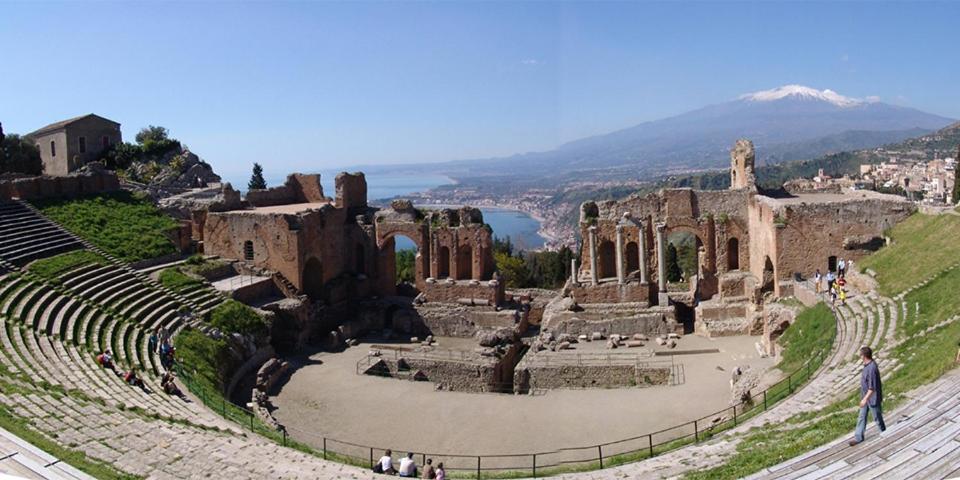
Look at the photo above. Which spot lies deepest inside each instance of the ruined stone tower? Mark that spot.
(741, 165)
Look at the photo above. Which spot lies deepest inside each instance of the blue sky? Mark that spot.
(311, 86)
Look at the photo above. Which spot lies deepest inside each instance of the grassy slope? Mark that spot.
(52, 268)
(123, 224)
(924, 359)
(813, 331)
(922, 246)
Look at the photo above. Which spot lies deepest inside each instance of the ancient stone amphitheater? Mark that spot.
(51, 333)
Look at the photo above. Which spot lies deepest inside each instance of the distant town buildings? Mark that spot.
(929, 181)
(68, 145)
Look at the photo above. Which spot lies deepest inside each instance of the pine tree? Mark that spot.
(256, 180)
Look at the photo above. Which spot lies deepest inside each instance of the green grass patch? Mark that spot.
(51, 269)
(126, 225)
(234, 317)
(923, 360)
(209, 360)
(922, 246)
(178, 281)
(810, 335)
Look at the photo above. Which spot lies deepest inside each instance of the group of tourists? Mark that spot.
(408, 467)
(836, 283)
(105, 360)
(159, 343)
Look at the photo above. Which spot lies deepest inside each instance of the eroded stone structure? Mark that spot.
(749, 243)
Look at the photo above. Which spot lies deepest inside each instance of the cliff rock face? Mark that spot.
(173, 170)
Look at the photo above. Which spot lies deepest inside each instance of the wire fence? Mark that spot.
(536, 464)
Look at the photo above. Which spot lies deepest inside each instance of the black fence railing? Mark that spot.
(536, 464)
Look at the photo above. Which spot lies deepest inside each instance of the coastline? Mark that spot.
(547, 236)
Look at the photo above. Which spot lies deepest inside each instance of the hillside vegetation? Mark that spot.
(125, 225)
(923, 357)
(922, 246)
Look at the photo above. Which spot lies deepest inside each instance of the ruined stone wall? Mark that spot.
(457, 371)
(298, 188)
(72, 185)
(652, 322)
(763, 238)
(455, 320)
(611, 292)
(351, 190)
(532, 374)
(850, 229)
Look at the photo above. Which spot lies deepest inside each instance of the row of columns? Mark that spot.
(621, 269)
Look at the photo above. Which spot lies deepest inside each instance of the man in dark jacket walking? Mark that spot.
(871, 395)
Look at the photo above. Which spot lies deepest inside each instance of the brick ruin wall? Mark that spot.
(461, 372)
(535, 373)
(651, 322)
(298, 188)
(851, 229)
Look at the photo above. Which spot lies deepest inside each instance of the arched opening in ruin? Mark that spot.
(606, 260)
(769, 278)
(360, 259)
(733, 254)
(401, 264)
(248, 250)
(832, 263)
(633, 257)
(443, 263)
(682, 257)
(465, 263)
(313, 278)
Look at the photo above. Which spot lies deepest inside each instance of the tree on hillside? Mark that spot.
(503, 245)
(152, 133)
(19, 155)
(256, 180)
(956, 191)
(673, 267)
(155, 140)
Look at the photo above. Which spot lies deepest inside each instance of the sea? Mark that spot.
(519, 226)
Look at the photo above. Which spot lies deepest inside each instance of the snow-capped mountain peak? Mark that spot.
(801, 92)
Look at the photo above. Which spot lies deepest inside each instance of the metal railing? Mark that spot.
(541, 463)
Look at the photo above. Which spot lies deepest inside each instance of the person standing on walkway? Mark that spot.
(871, 395)
(818, 281)
(841, 268)
(830, 279)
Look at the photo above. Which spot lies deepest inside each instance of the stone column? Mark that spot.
(661, 258)
(643, 254)
(574, 277)
(593, 255)
(620, 275)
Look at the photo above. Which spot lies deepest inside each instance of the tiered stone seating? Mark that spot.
(30, 311)
(25, 235)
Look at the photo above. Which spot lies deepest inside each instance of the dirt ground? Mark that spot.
(325, 397)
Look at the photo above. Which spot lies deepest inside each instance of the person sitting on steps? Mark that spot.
(105, 360)
(428, 471)
(169, 387)
(408, 468)
(385, 465)
(131, 378)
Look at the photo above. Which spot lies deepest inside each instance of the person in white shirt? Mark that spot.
(408, 468)
(386, 463)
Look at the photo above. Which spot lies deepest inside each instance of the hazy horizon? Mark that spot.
(325, 86)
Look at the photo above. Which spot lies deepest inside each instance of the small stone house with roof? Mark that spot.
(68, 145)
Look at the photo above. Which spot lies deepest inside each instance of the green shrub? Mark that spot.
(123, 224)
(176, 280)
(208, 360)
(232, 316)
(52, 268)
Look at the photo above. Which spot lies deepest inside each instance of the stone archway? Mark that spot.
(607, 259)
(313, 278)
(464, 262)
(443, 262)
(769, 276)
(733, 254)
(633, 257)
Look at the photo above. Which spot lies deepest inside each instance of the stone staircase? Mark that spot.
(25, 235)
